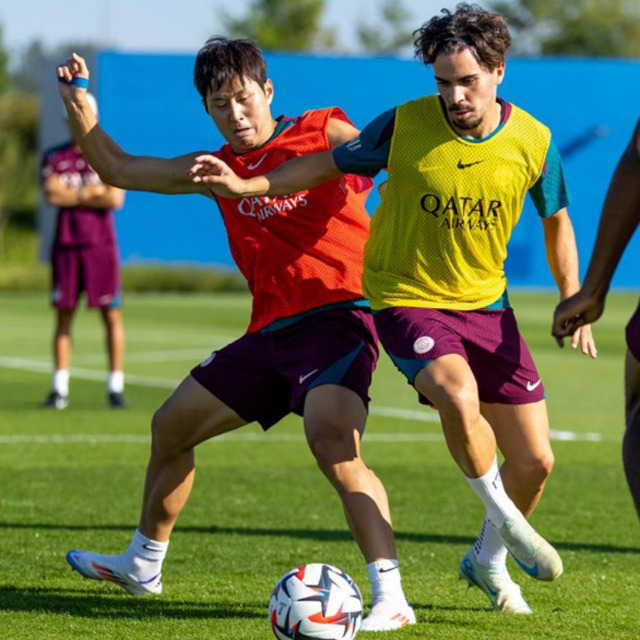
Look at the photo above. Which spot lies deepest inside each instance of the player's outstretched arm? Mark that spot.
(619, 219)
(113, 165)
(295, 175)
(562, 256)
(292, 176)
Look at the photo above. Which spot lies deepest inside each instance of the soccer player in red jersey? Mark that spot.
(311, 345)
(84, 256)
(619, 219)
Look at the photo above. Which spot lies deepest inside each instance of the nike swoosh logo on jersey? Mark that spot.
(461, 165)
(255, 165)
(533, 385)
(301, 379)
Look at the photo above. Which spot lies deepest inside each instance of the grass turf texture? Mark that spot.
(259, 505)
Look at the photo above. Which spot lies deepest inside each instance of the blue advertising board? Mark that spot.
(150, 106)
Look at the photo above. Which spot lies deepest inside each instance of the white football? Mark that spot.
(315, 601)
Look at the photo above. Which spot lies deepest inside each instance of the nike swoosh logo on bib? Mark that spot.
(255, 165)
(531, 386)
(461, 165)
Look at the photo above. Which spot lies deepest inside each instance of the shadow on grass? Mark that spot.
(321, 535)
(78, 603)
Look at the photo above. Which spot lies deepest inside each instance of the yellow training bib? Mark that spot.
(439, 236)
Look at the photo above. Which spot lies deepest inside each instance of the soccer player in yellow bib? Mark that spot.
(459, 164)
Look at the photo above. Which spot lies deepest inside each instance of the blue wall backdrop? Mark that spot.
(150, 106)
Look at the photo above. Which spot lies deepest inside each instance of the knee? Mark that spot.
(165, 438)
(63, 324)
(459, 402)
(336, 454)
(537, 468)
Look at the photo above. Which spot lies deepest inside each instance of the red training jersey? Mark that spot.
(303, 250)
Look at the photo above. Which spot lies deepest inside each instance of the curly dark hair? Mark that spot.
(484, 33)
(220, 60)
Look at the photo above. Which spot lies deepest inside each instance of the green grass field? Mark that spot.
(259, 507)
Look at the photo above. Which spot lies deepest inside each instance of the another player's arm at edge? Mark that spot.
(113, 165)
(619, 219)
(292, 176)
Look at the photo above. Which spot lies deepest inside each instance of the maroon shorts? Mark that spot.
(488, 340)
(633, 334)
(94, 270)
(266, 375)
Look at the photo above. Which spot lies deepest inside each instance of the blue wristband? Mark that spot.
(81, 83)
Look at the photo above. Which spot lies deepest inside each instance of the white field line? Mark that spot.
(194, 355)
(165, 383)
(148, 336)
(94, 440)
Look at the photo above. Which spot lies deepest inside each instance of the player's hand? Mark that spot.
(218, 176)
(73, 77)
(572, 314)
(583, 338)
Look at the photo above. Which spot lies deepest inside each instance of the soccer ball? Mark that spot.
(315, 601)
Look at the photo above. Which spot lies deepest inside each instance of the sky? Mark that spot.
(165, 25)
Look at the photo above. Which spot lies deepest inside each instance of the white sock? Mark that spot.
(385, 579)
(489, 548)
(490, 490)
(144, 556)
(115, 383)
(61, 381)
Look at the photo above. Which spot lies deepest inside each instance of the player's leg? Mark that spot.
(513, 403)
(522, 433)
(115, 342)
(631, 440)
(450, 385)
(191, 415)
(62, 339)
(102, 283)
(65, 289)
(430, 347)
(209, 402)
(334, 418)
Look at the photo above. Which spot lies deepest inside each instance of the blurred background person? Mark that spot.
(84, 257)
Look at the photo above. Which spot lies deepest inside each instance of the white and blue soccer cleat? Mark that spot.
(387, 615)
(496, 584)
(535, 556)
(99, 567)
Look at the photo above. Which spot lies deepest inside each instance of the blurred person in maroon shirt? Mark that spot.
(84, 257)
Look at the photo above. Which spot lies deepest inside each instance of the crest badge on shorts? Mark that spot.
(423, 344)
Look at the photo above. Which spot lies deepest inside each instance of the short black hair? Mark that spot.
(220, 60)
(484, 33)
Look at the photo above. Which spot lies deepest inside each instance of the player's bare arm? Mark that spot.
(562, 256)
(113, 165)
(620, 217)
(295, 175)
